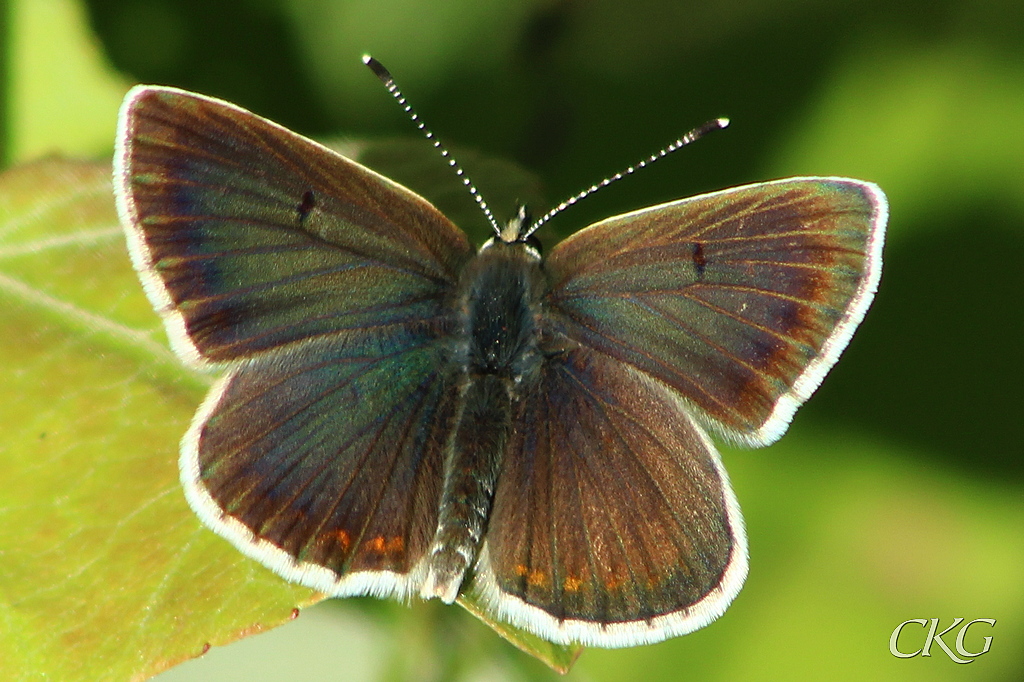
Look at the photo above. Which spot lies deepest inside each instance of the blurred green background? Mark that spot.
(898, 492)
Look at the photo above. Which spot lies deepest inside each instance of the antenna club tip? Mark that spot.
(378, 69)
(723, 122)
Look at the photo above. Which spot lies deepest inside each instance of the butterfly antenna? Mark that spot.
(692, 136)
(385, 77)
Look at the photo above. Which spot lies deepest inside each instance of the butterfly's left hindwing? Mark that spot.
(326, 463)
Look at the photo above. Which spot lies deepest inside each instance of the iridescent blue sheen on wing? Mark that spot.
(331, 454)
(261, 237)
(735, 299)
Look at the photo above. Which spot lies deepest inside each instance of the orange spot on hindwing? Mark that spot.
(572, 583)
(536, 578)
(382, 545)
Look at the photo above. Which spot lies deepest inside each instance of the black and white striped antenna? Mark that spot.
(385, 77)
(692, 136)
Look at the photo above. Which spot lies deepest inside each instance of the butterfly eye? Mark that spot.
(534, 243)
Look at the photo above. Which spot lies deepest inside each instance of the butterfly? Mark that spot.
(401, 414)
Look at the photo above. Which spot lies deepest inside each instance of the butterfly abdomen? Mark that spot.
(498, 301)
(471, 474)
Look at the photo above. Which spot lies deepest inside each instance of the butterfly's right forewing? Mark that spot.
(740, 300)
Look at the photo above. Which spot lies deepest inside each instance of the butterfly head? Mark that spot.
(518, 231)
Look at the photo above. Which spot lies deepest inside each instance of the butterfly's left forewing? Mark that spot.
(249, 237)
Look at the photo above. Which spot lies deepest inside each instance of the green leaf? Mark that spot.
(556, 656)
(63, 94)
(417, 165)
(104, 570)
